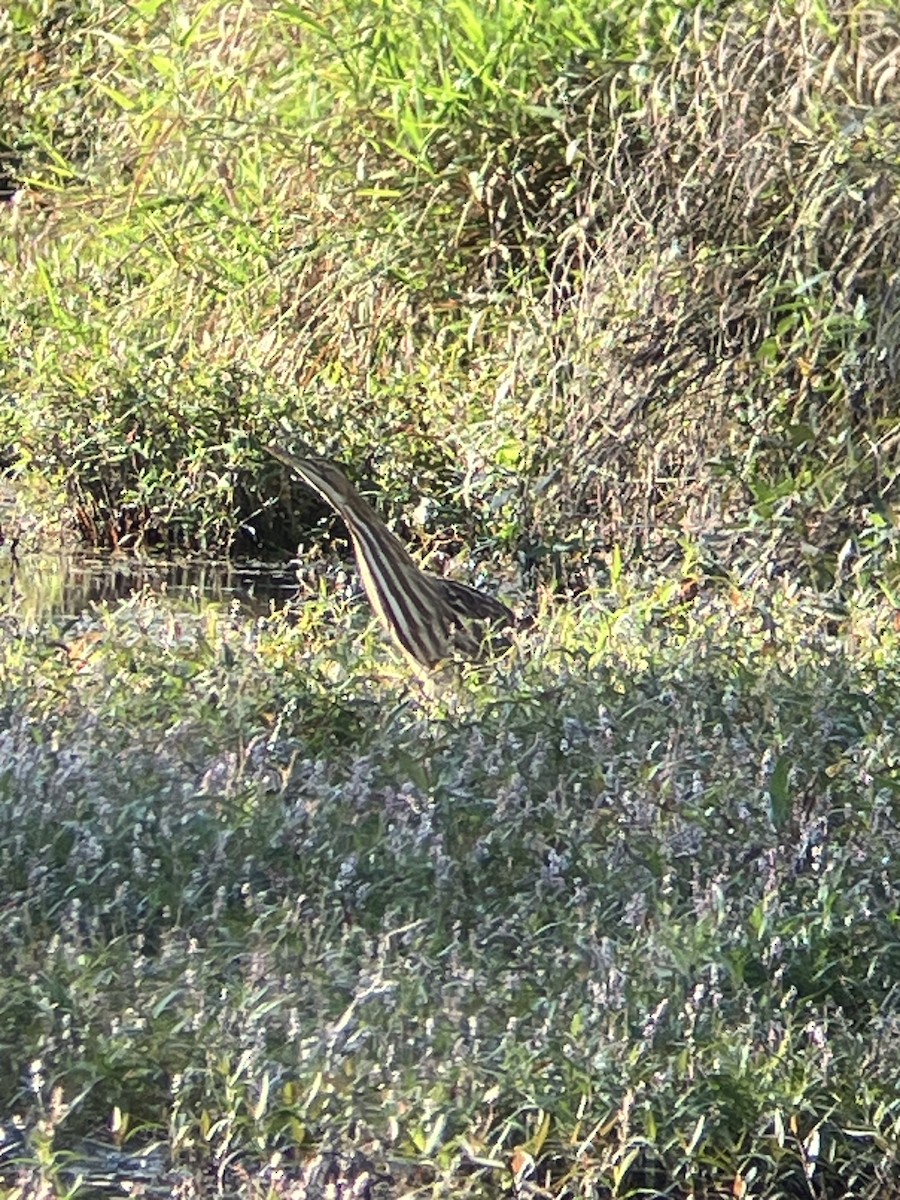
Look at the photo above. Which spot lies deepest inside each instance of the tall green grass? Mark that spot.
(584, 274)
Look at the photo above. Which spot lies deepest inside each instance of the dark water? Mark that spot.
(65, 584)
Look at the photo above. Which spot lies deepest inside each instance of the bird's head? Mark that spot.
(322, 475)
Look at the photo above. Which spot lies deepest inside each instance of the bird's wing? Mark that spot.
(468, 602)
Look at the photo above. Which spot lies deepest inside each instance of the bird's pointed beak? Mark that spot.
(285, 457)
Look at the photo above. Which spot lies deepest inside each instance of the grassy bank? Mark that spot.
(613, 916)
(587, 274)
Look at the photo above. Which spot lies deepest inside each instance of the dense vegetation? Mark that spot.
(614, 289)
(618, 269)
(616, 916)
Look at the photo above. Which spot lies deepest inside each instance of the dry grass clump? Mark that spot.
(718, 338)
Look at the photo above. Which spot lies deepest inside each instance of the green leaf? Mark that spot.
(779, 792)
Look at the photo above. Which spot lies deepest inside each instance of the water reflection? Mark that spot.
(36, 585)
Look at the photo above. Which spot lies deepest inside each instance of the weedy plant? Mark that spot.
(617, 915)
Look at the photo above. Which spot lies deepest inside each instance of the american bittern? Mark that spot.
(427, 616)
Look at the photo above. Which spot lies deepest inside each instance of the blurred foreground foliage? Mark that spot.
(613, 916)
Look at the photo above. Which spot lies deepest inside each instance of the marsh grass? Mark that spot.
(613, 916)
(601, 303)
(580, 276)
